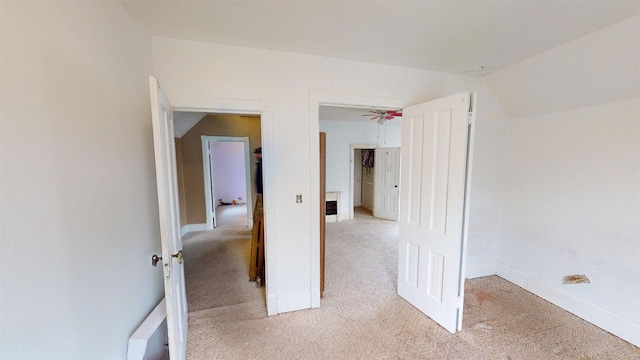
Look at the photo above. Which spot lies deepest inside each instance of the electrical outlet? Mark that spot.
(298, 198)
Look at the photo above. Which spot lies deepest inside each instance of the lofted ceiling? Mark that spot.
(184, 121)
(470, 37)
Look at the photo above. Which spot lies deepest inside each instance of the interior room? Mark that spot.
(549, 187)
(216, 171)
(353, 130)
(363, 180)
(230, 141)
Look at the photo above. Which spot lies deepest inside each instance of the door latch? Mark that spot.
(178, 256)
(155, 259)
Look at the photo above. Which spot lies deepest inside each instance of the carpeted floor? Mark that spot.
(361, 317)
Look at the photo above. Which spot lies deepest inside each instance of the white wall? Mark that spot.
(229, 173)
(285, 80)
(79, 213)
(340, 135)
(571, 200)
(599, 68)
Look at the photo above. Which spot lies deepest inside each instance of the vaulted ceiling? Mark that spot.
(472, 37)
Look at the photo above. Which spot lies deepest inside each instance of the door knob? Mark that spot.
(155, 259)
(178, 256)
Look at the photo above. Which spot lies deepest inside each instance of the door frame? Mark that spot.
(352, 174)
(315, 100)
(267, 130)
(208, 181)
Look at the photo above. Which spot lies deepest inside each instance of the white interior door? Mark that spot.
(386, 184)
(435, 138)
(173, 269)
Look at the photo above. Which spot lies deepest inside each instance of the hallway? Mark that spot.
(217, 263)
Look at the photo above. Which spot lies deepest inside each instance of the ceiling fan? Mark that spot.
(383, 115)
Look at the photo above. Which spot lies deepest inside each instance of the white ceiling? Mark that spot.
(473, 37)
(184, 121)
(338, 113)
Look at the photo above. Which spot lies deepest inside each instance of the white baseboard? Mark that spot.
(602, 318)
(294, 301)
(138, 341)
(331, 218)
(192, 227)
(480, 270)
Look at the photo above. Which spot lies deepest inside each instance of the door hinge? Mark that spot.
(460, 302)
(471, 109)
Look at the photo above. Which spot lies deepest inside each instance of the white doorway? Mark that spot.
(361, 189)
(227, 175)
(349, 130)
(451, 276)
(375, 188)
(250, 108)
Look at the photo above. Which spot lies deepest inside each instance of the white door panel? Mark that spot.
(435, 137)
(387, 180)
(173, 269)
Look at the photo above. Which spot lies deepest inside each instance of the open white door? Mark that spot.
(435, 167)
(173, 269)
(386, 184)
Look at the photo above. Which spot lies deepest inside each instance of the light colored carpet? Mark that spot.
(217, 263)
(361, 317)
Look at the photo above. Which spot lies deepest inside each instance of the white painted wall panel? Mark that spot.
(572, 203)
(286, 80)
(79, 220)
(572, 184)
